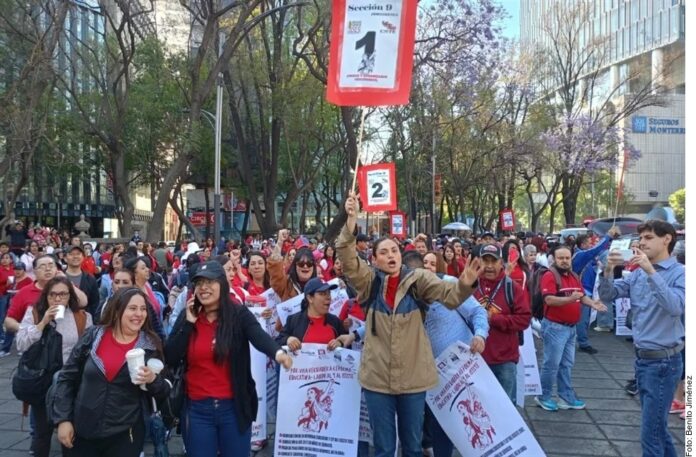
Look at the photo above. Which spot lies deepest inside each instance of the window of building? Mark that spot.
(622, 14)
(643, 8)
(675, 23)
(656, 29)
(614, 25)
(640, 42)
(635, 10)
(657, 6)
(665, 24)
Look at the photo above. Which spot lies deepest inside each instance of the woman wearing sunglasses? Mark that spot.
(302, 269)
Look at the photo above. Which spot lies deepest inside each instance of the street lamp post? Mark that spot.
(218, 141)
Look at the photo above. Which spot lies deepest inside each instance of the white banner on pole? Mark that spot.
(470, 397)
(258, 373)
(318, 400)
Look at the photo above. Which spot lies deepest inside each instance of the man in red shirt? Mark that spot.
(45, 269)
(563, 298)
(508, 314)
(22, 279)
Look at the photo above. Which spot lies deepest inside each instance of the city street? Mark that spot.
(610, 426)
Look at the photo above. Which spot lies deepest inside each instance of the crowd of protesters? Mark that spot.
(186, 306)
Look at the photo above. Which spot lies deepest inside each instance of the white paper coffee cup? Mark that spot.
(136, 360)
(156, 365)
(61, 312)
(11, 279)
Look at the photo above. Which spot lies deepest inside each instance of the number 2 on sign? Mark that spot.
(367, 63)
(378, 190)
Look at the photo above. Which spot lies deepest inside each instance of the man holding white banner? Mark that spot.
(397, 365)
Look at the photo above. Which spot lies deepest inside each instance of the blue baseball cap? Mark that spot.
(315, 285)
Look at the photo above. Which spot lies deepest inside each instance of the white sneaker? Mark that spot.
(4, 354)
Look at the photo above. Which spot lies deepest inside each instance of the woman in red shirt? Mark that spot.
(6, 282)
(259, 280)
(515, 265)
(327, 263)
(313, 324)
(98, 405)
(453, 266)
(212, 340)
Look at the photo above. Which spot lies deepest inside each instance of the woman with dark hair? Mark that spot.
(116, 263)
(302, 269)
(450, 257)
(122, 279)
(140, 266)
(98, 406)
(212, 340)
(515, 263)
(259, 279)
(433, 261)
(395, 377)
(58, 296)
(313, 324)
(327, 263)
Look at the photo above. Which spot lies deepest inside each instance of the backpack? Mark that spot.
(537, 298)
(510, 300)
(37, 366)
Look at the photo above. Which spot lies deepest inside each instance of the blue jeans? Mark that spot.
(409, 408)
(583, 326)
(442, 445)
(506, 374)
(210, 429)
(559, 358)
(657, 380)
(363, 449)
(4, 301)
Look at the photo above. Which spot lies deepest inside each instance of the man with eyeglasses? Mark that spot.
(44, 269)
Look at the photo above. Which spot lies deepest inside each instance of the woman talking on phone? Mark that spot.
(211, 339)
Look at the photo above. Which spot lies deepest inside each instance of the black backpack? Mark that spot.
(535, 289)
(37, 366)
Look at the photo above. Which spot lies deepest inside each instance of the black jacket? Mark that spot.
(298, 323)
(89, 286)
(96, 407)
(245, 397)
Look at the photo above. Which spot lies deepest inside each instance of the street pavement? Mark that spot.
(610, 426)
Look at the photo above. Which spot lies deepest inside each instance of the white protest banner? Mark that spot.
(622, 305)
(371, 54)
(318, 400)
(272, 301)
(365, 433)
(258, 373)
(289, 307)
(293, 305)
(470, 397)
(532, 380)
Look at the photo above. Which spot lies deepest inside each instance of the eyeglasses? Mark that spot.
(305, 264)
(45, 267)
(58, 294)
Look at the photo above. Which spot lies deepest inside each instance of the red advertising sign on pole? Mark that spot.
(507, 219)
(397, 224)
(371, 55)
(378, 187)
(198, 218)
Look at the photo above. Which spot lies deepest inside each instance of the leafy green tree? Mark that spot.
(678, 202)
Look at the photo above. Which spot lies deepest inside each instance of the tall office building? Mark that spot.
(641, 38)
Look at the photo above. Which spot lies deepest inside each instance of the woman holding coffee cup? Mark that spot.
(98, 402)
(212, 340)
(58, 304)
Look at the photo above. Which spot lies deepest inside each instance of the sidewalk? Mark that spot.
(610, 426)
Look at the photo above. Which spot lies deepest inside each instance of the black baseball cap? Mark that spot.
(209, 270)
(492, 250)
(363, 237)
(317, 285)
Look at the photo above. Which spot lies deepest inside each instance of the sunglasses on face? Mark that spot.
(305, 264)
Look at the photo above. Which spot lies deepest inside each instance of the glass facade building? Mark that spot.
(629, 43)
